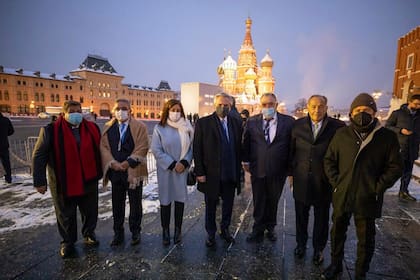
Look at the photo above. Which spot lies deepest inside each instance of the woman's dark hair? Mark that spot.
(165, 111)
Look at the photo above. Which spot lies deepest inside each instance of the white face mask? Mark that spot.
(174, 116)
(121, 115)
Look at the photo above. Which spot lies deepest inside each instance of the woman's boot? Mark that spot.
(165, 217)
(179, 213)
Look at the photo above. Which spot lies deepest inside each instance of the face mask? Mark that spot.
(174, 116)
(268, 113)
(121, 115)
(362, 119)
(74, 118)
(222, 111)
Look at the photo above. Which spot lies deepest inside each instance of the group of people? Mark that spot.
(325, 160)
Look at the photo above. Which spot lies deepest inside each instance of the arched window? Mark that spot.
(57, 98)
(19, 96)
(67, 97)
(71, 97)
(81, 99)
(6, 95)
(52, 97)
(36, 96)
(42, 97)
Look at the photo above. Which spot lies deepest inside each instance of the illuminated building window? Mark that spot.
(410, 61)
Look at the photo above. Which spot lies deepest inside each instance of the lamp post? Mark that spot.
(32, 107)
(376, 95)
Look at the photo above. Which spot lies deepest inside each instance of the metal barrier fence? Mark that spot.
(21, 156)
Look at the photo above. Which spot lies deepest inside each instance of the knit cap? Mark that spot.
(363, 99)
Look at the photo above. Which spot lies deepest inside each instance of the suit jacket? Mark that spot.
(207, 147)
(267, 159)
(310, 184)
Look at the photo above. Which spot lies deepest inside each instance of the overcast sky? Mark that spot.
(337, 48)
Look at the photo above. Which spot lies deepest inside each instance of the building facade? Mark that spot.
(198, 98)
(245, 79)
(95, 84)
(407, 68)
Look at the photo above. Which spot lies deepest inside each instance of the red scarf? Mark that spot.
(75, 165)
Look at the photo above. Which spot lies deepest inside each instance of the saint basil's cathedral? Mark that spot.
(245, 79)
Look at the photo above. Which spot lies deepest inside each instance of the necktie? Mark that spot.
(122, 132)
(316, 129)
(267, 131)
(225, 129)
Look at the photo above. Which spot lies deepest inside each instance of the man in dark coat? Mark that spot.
(266, 143)
(405, 122)
(6, 129)
(311, 136)
(361, 163)
(69, 149)
(216, 149)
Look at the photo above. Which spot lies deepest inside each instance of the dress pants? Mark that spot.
(227, 193)
(119, 194)
(266, 193)
(320, 229)
(5, 161)
(365, 230)
(406, 176)
(66, 213)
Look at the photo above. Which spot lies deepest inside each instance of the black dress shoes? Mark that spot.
(90, 240)
(271, 235)
(67, 250)
(332, 271)
(255, 237)
(300, 251)
(318, 258)
(225, 234)
(210, 241)
(406, 196)
(135, 238)
(118, 240)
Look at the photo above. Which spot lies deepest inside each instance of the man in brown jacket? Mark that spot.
(124, 147)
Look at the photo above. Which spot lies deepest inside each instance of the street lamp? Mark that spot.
(376, 95)
(32, 107)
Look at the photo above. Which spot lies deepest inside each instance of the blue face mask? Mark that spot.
(75, 118)
(268, 113)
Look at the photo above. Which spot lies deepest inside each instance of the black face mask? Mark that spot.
(222, 111)
(362, 119)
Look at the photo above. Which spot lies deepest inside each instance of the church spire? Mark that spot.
(248, 38)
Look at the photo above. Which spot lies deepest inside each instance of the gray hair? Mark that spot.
(269, 94)
(224, 95)
(324, 98)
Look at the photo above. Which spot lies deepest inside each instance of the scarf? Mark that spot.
(76, 164)
(185, 131)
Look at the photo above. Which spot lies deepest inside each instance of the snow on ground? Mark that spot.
(21, 206)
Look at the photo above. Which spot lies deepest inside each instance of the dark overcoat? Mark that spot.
(360, 172)
(267, 159)
(207, 147)
(310, 184)
(409, 144)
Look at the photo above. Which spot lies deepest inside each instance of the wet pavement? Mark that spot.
(32, 253)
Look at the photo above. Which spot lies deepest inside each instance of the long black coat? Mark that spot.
(6, 129)
(207, 147)
(360, 173)
(409, 144)
(267, 159)
(310, 184)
